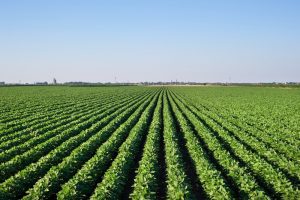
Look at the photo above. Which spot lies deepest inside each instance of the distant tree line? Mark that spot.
(91, 84)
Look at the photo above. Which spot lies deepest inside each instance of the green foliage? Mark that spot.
(131, 142)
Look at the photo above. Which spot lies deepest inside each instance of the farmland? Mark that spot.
(135, 142)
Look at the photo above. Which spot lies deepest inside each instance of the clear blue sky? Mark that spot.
(232, 40)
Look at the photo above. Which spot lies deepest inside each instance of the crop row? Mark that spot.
(145, 143)
(21, 180)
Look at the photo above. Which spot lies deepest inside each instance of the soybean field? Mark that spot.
(136, 142)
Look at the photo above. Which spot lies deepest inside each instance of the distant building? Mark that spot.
(41, 83)
(54, 81)
(2, 83)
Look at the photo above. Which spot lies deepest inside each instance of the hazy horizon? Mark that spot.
(139, 41)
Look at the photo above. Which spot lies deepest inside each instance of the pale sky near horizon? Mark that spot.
(203, 41)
